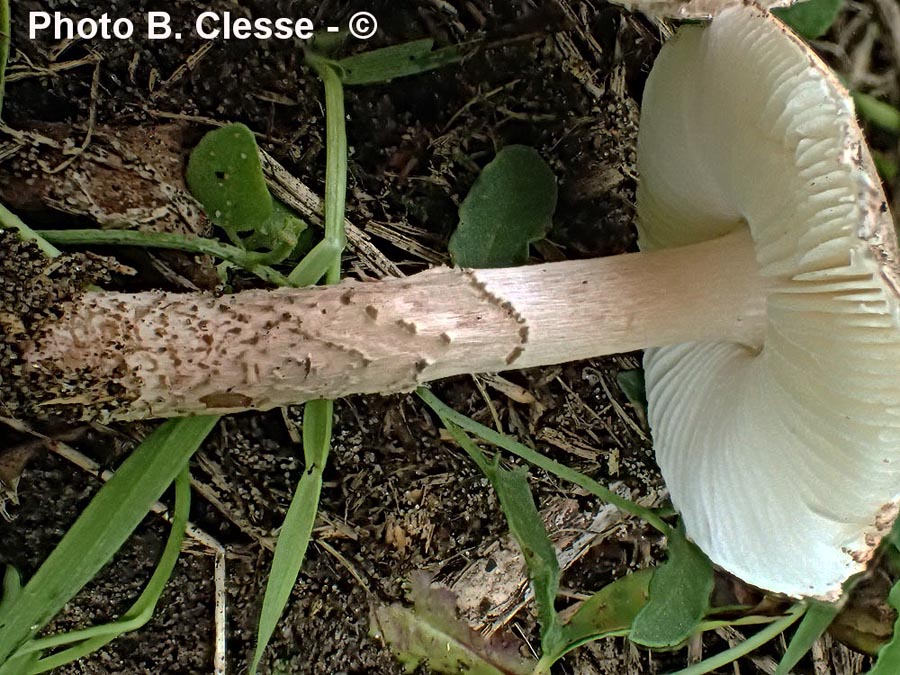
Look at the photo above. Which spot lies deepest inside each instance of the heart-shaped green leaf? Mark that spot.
(510, 205)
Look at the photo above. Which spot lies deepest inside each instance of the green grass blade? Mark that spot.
(815, 622)
(293, 540)
(526, 526)
(335, 161)
(534, 457)
(632, 384)
(20, 663)
(92, 639)
(10, 220)
(755, 641)
(318, 418)
(295, 534)
(388, 63)
(248, 260)
(101, 529)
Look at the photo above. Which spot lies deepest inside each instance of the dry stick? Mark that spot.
(179, 354)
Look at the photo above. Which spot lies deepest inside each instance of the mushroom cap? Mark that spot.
(783, 457)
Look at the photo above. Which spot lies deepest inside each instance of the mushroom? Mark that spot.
(784, 457)
(766, 291)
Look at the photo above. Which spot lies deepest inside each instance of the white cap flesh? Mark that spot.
(783, 457)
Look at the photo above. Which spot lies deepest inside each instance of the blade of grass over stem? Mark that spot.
(335, 180)
(101, 529)
(534, 457)
(755, 641)
(293, 540)
(92, 639)
(527, 527)
(815, 622)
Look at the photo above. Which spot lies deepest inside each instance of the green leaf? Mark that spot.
(510, 205)
(432, 634)
(812, 18)
(12, 586)
(608, 612)
(679, 596)
(527, 528)
(888, 662)
(877, 112)
(225, 175)
(293, 540)
(815, 622)
(409, 58)
(101, 529)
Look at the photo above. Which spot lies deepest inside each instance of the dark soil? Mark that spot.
(398, 498)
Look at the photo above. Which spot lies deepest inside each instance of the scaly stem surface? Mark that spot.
(167, 354)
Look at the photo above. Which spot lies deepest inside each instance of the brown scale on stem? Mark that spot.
(128, 356)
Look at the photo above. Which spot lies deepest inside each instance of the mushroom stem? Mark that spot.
(168, 354)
